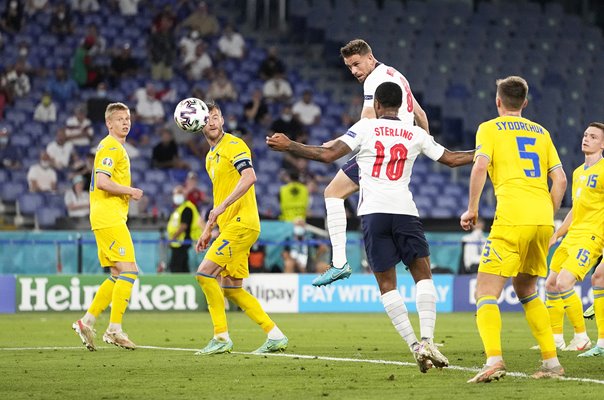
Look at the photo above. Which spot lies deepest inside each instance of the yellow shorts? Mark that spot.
(510, 250)
(577, 253)
(114, 245)
(231, 250)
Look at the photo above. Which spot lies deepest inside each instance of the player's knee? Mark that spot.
(562, 285)
(597, 279)
(331, 191)
(550, 284)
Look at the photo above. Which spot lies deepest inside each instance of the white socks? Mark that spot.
(223, 336)
(114, 327)
(88, 319)
(275, 333)
(425, 300)
(397, 311)
(336, 226)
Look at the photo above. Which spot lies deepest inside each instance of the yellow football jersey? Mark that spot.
(106, 209)
(588, 199)
(223, 163)
(521, 154)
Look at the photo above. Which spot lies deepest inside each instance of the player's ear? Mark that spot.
(524, 104)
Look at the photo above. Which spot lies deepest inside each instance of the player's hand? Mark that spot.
(468, 220)
(204, 240)
(552, 241)
(278, 142)
(136, 194)
(214, 214)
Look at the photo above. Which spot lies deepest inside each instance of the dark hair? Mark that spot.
(512, 91)
(389, 95)
(355, 46)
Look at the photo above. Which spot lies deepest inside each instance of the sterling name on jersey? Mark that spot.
(588, 199)
(388, 148)
(383, 73)
(521, 155)
(224, 163)
(106, 209)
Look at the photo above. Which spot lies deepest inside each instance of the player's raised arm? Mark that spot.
(325, 153)
(457, 158)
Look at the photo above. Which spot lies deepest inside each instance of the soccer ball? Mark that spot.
(191, 115)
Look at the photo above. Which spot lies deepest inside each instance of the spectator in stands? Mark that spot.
(187, 45)
(78, 128)
(183, 229)
(471, 248)
(289, 125)
(256, 110)
(277, 89)
(77, 200)
(165, 153)
(60, 21)
(12, 17)
(10, 156)
(85, 6)
(139, 132)
(84, 70)
(41, 177)
(301, 257)
(128, 8)
(149, 109)
(162, 49)
(123, 64)
(294, 199)
(232, 126)
(62, 88)
(16, 80)
(100, 44)
(231, 44)
(200, 64)
(271, 65)
(193, 193)
(35, 6)
(306, 110)
(23, 52)
(351, 115)
(46, 110)
(222, 88)
(60, 150)
(202, 21)
(97, 104)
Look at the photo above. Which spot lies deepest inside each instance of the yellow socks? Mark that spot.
(488, 319)
(574, 309)
(102, 298)
(538, 320)
(251, 306)
(555, 307)
(121, 296)
(215, 299)
(599, 309)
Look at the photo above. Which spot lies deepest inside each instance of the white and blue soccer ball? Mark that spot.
(191, 115)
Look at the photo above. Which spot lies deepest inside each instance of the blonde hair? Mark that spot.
(113, 107)
(512, 91)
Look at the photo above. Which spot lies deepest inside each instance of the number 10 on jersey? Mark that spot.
(394, 168)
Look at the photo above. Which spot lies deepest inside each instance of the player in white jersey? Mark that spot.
(359, 59)
(392, 230)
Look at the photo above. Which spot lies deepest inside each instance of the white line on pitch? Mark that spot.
(307, 357)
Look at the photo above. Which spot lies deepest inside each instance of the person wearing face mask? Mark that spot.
(10, 156)
(183, 226)
(41, 177)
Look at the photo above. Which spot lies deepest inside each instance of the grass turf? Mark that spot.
(152, 373)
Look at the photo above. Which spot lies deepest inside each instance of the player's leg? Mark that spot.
(276, 341)
(553, 299)
(565, 284)
(597, 283)
(343, 185)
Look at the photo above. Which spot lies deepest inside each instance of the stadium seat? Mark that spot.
(12, 190)
(30, 202)
(46, 217)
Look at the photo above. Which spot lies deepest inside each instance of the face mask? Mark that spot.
(44, 164)
(23, 52)
(232, 125)
(299, 230)
(286, 117)
(3, 141)
(101, 93)
(46, 100)
(178, 199)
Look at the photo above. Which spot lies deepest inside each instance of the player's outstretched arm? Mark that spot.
(457, 158)
(326, 153)
(563, 229)
(104, 182)
(477, 181)
(558, 178)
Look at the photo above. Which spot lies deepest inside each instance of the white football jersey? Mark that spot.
(383, 73)
(387, 149)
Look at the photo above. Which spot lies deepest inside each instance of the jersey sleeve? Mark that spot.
(484, 143)
(240, 156)
(553, 160)
(369, 90)
(353, 136)
(106, 159)
(430, 148)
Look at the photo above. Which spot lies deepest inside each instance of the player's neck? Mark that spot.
(506, 113)
(122, 140)
(591, 159)
(214, 142)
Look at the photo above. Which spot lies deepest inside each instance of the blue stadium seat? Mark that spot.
(30, 202)
(155, 176)
(12, 190)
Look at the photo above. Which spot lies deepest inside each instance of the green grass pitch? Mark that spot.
(66, 370)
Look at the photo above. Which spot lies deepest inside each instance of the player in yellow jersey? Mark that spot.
(110, 192)
(519, 156)
(584, 230)
(221, 273)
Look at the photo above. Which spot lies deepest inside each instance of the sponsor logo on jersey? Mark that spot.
(351, 134)
(368, 97)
